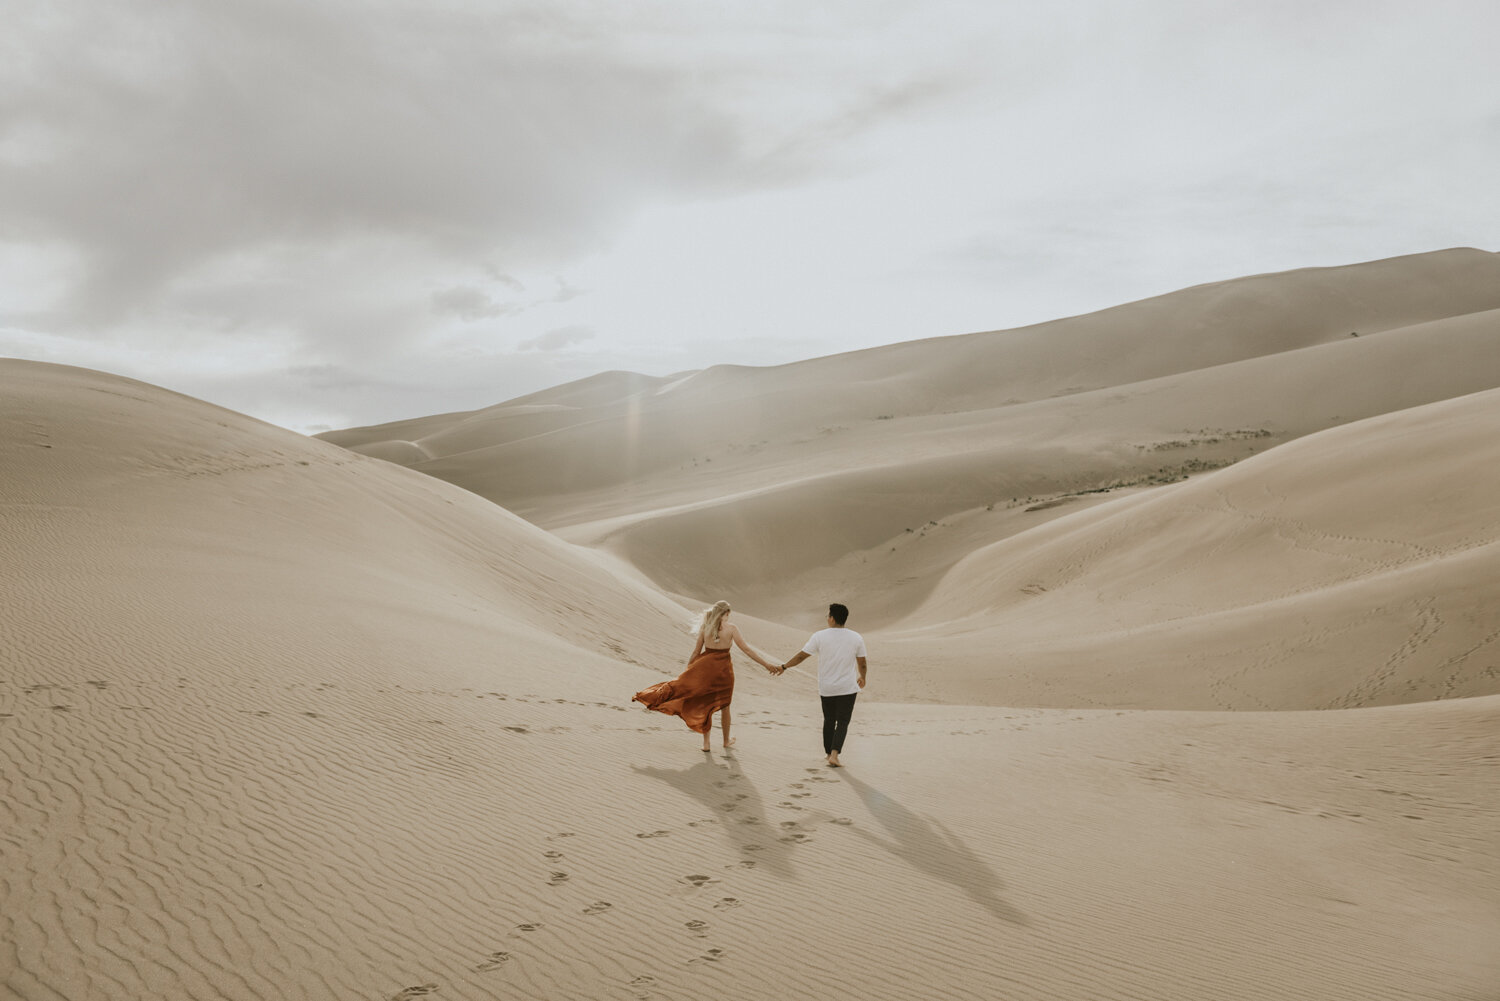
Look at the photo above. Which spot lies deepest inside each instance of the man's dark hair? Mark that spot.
(838, 613)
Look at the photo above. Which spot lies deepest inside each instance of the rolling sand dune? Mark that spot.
(281, 721)
(122, 494)
(884, 486)
(1196, 328)
(1353, 567)
(781, 525)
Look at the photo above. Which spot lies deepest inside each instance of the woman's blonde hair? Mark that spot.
(712, 618)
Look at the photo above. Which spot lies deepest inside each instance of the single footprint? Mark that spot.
(801, 795)
(753, 848)
(553, 855)
(790, 825)
(743, 863)
(711, 956)
(493, 961)
(564, 834)
(845, 821)
(532, 926)
(558, 877)
(700, 880)
(727, 902)
(644, 980)
(414, 992)
(701, 823)
(654, 834)
(697, 927)
(598, 907)
(516, 729)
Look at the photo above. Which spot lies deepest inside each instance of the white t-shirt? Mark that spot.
(836, 650)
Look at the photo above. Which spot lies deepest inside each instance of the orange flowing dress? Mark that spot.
(705, 687)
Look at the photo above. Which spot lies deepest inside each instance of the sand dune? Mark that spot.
(881, 488)
(1195, 328)
(278, 720)
(125, 504)
(779, 525)
(1352, 567)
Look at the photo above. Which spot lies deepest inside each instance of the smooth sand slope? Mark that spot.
(280, 721)
(1358, 566)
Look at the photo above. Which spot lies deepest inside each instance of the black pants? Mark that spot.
(836, 712)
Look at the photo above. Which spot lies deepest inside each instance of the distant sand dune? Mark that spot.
(1183, 331)
(871, 475)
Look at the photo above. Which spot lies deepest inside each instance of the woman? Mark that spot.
(707, 685)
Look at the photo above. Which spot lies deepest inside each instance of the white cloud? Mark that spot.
(470, 304)
(233, 198)
(558, 339)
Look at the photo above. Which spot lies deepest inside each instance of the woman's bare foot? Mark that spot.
(730, 742)
(833, 760)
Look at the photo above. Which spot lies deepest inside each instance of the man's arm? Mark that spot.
(801, 656)
(861, 661)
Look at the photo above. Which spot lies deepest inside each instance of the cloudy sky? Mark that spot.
(327, 213)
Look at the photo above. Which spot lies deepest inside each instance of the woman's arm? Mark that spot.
(739, 641)
(697, 647)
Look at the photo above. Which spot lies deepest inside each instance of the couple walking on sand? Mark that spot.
(707, 685)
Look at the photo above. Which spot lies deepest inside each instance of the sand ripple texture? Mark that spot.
(214, 839)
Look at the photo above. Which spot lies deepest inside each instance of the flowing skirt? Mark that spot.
(704, 688)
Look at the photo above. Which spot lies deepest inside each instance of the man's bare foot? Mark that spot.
(833, 760)
(730, 742)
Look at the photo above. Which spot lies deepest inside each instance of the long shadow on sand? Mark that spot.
(737, 808)
(929, 847)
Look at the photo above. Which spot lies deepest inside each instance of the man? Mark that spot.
(841, 674)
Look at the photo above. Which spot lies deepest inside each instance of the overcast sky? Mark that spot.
(328, 213)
